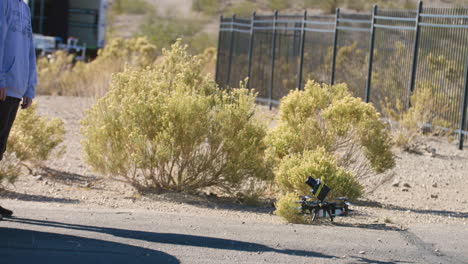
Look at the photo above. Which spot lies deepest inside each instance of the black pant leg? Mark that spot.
(8, 110)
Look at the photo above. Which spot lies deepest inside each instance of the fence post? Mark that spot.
(414, 64)
(219, 50)
(273, 55)
(251, 42)
(335, 43)
(371, 55)
(464, 107)
(301, 52)
(231, 49)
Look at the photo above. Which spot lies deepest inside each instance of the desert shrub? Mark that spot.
(294, 170)
(209, 7)
(326, 133)
(286, 207)
(50, 71)
(169, 127)
(329, 117)
(33, 138)
(131, 6)
(58, 76)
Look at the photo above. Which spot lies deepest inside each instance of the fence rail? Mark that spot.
(383, 56)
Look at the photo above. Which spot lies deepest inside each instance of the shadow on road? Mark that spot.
(176, 239)
(362, 260)
(26, 246)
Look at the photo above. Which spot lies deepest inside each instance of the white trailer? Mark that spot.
(84, 20)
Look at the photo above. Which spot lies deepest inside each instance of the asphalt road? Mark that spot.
(42, 233)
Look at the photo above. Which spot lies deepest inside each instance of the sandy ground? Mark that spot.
(422, 189)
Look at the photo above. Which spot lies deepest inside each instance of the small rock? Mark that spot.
(46, 182)
(404, 190)
(244, 224)
(434, 185)
(379, 240)
(396, 183)
(435, 196)
(362, 252)
(38, 178)
(407, 185)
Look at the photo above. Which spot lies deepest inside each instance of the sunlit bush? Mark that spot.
(286, 207)
(170, 128)
(294, 170)
(326, 133)
(329, 117)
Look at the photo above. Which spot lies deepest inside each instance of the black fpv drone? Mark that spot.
(317, 206)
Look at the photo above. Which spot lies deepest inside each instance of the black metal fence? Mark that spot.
(383, 56)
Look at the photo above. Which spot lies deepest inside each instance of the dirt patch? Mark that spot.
(421, 189)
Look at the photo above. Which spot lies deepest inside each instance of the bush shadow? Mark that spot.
(445, 213)
(35, 198)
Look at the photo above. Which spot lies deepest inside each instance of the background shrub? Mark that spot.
(170, 128)
(58, 76)
(407, 126)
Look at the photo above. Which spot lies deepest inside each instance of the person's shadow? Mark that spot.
(27, 246)
(170, 238)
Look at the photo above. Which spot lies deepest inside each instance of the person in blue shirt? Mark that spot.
(18, 75)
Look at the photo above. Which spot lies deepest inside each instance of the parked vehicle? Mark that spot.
(77, 25)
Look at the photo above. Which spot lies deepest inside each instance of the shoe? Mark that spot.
(5, 212)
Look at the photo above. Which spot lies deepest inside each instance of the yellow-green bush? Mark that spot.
(329, 117)
(169, 127)
(33, 138)
(286, 207)
(294, 170)
(326, 133)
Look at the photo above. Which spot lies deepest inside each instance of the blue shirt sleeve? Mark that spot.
(3, 30)
(32, 82)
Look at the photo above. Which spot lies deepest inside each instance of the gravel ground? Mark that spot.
(428, 188)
